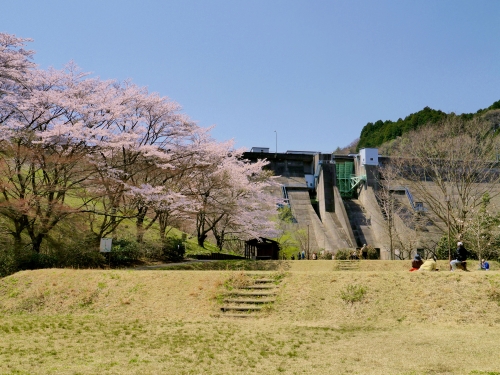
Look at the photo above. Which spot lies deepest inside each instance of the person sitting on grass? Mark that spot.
(416, 263)
(429, 265)
(460, 257)
(354, 255)
(485, 266)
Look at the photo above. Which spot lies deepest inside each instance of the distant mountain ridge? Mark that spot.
(376, 134)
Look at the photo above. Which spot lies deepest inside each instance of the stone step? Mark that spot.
(347, 265)
(264, 281)
(239, 316)
(241, 308)
(259, 287)
(250, 294)
(353, 264)
(247, 300)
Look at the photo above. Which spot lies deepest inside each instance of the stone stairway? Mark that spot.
(250, 300)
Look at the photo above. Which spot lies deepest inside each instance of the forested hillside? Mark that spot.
(375, 134)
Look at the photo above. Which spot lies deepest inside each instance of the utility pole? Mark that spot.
(307, 241)
(447, 199)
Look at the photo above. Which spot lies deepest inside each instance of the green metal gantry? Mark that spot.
(347, 181)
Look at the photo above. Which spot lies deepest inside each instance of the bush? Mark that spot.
(285, 214)
(173, 249)
(81, 253)
(124, 251)
(371, 252)
(343, 254)
(152, 250)
(8, 262)
(325, 255)
(38, 260)
(82, 256)
(353, 293)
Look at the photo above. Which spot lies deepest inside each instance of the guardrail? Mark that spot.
(416, 207)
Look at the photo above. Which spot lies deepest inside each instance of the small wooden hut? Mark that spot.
(262, 248)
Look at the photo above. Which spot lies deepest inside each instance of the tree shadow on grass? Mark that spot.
(231, 265)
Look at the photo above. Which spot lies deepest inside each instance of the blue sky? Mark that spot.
(314, 71)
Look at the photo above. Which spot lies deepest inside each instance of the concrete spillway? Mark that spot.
(306, 218)
(361, 222)
(331, 224)
(323, 234)
(324, 231)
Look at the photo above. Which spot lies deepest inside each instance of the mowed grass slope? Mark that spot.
(151, 322)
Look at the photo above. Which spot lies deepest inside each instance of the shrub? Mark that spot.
(325, 255)
(343, 254)
(152, 250)
(173, 249)
(124, 251)
(82, 256)
(8, 262)
(81, 253)
(285, 214)
(371, 252)
(353, 293)
(38, 260)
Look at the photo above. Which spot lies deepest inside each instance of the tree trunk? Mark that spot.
(36, 242)
(139, 224)
(201, 239)
(163, 223)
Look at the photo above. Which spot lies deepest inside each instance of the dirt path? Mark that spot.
(166, 265)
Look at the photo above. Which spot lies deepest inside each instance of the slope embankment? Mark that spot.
(376, 319)
(316, 292)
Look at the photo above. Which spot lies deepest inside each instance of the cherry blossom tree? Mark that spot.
(15, 62)
(250, 205)
(71, 145)
(44, 153)
(231, 194)
(148, 150)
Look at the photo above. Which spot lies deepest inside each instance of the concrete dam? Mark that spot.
(332, 197)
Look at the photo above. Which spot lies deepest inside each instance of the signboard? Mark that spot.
(106, 244)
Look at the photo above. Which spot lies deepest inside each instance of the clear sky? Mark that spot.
(314, 71)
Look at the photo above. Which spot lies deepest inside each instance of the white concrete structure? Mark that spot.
(260, 149)
(368, 156)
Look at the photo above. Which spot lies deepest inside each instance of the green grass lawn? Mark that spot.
(151, 322)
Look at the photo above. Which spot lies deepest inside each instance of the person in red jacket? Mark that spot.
(416, 263)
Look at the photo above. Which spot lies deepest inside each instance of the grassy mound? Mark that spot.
(325, 321)
(313, 291)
